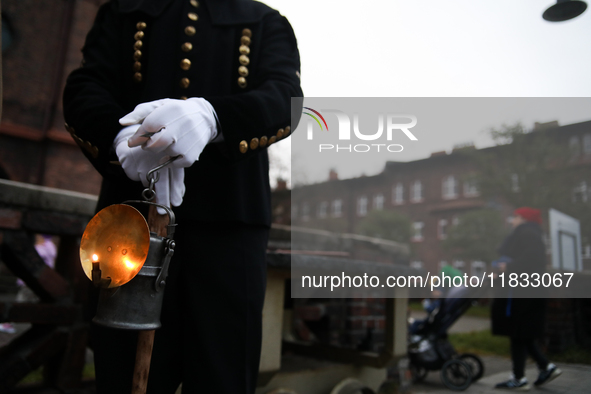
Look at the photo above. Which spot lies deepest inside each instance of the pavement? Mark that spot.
(575, 378)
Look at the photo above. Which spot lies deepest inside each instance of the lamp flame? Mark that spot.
(94, 258)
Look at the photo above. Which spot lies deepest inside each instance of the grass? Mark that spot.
(485, 344)
(36, 376)
(573, 355)
(481, 342)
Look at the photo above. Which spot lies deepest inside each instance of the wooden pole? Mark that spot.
(145, 342)
(143, 357)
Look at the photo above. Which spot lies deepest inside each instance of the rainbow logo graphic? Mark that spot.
(315, 118)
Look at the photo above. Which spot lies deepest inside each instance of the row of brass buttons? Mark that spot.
(87, 146)
(187, 46)
(264, 141)
(137, 53)
(244, 59)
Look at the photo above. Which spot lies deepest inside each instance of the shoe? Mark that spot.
(550, 373)
(7, 328)
(514, 384)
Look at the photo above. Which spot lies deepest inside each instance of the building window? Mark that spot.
(459, 264)
(418, 265)
(450, 187)
(416, 191)
(398, 194)
(581, 192)
(378, 202)
(362, 206)
(587, 144)
(478, 268)
(336, 208)
(471, 188)
(515, 183)
(442, 229)
(305, 211)
(417, 231)
(322, 209)
(575, 147)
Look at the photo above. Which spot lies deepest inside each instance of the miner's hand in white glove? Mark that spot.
(137, 162)
(173, 127)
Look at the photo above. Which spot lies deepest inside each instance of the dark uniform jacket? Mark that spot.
(240, 55)
(512, 314)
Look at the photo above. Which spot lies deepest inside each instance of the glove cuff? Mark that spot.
(209, 115)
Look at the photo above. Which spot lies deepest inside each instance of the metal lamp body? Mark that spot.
(137, 304)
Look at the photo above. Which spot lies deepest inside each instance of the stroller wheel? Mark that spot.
(456, 375)
(417, 373)
(475, 364)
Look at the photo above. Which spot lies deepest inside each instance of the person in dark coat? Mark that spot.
(210, 83)
(523, 319)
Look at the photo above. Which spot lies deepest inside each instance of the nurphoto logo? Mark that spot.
(394, 124)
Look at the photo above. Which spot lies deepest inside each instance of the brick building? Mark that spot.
(432, 193)
(41, 46)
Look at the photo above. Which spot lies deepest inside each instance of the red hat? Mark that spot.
(529, 214)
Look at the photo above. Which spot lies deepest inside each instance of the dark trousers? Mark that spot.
(520, 348)
(210, 338)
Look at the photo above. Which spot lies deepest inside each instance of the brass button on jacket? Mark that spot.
(185, 82)
(280, 133)
(243, 71)
(138, 45)
(244, 60)
(243, 146)
(244, 50)
(193, 16)
(185, 64)
(247, 33)
(69, 129)
(139, 35)
(254, 143)
(263, 142)
(187, 46)
(137, 66)
(272, 140)
(287, 130)
(137, 55)
(242, 82)
(245, 40)
(195, 3)
(190, 30)
(137, 77)
(141, 25)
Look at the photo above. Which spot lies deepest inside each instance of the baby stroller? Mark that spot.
(429, 349)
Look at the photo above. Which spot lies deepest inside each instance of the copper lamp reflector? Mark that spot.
(118, 239)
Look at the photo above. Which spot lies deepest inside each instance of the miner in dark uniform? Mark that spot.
(209, 82)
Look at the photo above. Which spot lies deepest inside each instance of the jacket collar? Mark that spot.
(221, 12)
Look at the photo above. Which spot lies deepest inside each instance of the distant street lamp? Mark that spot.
(564, 10)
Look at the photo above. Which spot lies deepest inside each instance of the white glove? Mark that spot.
(174, 127)
(136, 163)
